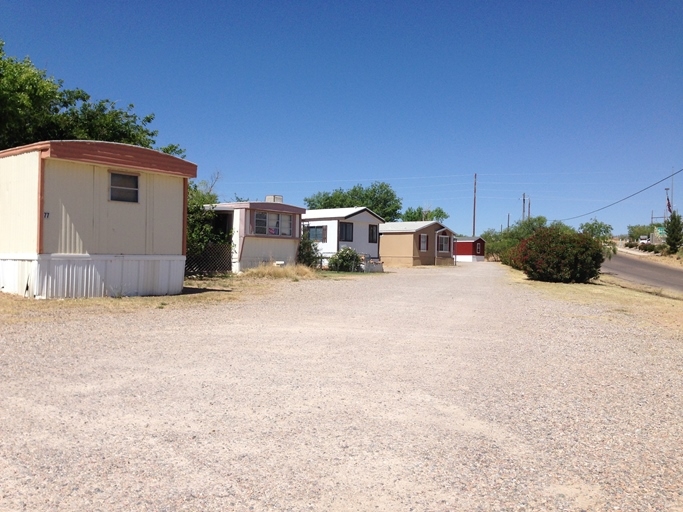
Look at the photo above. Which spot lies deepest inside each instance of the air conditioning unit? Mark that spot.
(273, 199)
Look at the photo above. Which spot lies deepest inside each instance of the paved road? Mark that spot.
(641, 271)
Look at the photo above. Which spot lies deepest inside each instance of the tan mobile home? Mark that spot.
(262, 231)
(91, 219)
(408, 244)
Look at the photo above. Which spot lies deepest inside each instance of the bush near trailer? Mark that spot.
(307, 253)
(556, 255)
(346, 260)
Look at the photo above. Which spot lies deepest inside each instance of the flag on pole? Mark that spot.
(668, 205)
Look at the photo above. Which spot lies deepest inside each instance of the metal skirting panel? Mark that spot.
(77, 276)
(15, 274)
(468, 258)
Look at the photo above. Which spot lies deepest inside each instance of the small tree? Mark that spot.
(308, 253)
(200, 220)
(673, 228)
(601, 232)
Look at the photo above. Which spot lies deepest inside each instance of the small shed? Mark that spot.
(408, 244)
(262, 231)
(469, 249)
(91, 219)
(334, 228)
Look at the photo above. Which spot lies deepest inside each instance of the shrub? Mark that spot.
(346, 260)
(559, 256)
(307, 253)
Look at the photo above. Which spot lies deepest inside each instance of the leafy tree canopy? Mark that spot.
(418, 214)
(498, 243)
(635, 232)
(200, 220)
(674, 232)
(602, 232)
(379, 197)
(35, 107)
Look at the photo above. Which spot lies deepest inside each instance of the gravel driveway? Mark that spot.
(426, 389)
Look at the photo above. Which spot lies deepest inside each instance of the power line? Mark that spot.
(624, 199)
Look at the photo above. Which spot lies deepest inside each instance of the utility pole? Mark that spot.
(474, 211)
(523, 205)
(508, 220)
(529, 214)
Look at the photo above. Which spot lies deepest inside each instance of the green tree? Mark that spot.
(499, 243)
(200, 220)
(379, 197)
(674, 232)
(418, 214)
(602, 232)
(35, 107)
(638, 230)
(308, 253)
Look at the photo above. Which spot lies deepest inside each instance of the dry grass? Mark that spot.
(644, 304)
(293, 272)
(196, 292)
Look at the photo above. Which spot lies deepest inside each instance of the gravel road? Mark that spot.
(427, 389)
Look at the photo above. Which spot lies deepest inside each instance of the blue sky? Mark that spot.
(575, 104)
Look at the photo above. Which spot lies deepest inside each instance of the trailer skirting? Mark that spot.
(47, 276)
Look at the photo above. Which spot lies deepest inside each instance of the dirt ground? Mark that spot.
(426, 389)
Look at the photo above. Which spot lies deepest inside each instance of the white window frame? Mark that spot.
(122, 192)
(478, 247)
(424, 242)
(443, 243)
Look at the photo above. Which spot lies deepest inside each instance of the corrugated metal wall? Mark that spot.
(68, 276)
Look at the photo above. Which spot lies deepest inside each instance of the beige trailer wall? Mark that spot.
(257, 250)
(19, 203)
(80, 218)
(398, 250)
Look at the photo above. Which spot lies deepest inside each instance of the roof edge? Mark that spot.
(113, 154)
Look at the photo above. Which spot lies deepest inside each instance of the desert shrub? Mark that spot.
(661, 248)
(560, 256)
(308, 253)
(512, 257)
(346, 260)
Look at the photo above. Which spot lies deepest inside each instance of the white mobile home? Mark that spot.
(334, 228)
(91, 219)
